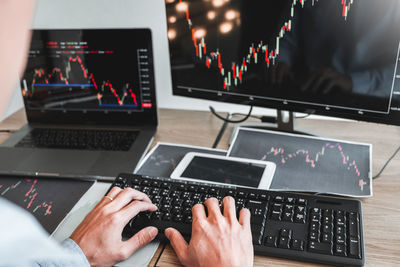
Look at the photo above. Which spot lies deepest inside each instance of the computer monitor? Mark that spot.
(328, 57)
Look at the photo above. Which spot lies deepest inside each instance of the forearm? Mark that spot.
(70, 247)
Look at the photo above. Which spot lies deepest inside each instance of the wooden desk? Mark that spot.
(381, 213)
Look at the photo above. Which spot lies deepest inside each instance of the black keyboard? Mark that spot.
(302, 227)
(79, 139)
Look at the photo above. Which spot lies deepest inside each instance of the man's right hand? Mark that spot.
(217, 240)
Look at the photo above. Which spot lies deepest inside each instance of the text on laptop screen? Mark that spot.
(89, 71)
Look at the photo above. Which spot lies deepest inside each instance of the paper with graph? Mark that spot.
(309, 164)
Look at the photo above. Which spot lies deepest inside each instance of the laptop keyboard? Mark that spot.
(79, 139)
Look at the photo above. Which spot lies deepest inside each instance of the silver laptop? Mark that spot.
(90, 102)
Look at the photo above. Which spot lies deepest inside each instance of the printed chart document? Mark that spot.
(309, 164)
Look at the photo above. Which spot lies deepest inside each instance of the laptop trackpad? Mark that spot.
(63, 162)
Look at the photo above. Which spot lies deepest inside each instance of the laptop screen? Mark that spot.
(94, 76)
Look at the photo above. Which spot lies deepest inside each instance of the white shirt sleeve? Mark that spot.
(23, 242)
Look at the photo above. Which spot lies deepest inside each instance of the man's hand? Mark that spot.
(99, 235)
(217, 240)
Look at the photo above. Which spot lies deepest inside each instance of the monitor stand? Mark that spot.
(285, 122)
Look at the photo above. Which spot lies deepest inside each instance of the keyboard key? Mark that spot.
(339, 214)
(297, 245)
(202, 189)
(253, 196)
(135, 181)
(258, 219)
(316, 211)
(187, 203)
(186, 195)
(340, 230)
(327, 228)
(283, 242)
(340, 250)
(302, 201)
(188, 219)
(157, 215)
(299, 218)
(290, 200)
(178, 218)
(181, 187)
(286, 233)
(340, 221)
(277, 207)
(213, 191)
(353, 216)
(300, 209)
(165, 185)
(287, 217)
(166, 200)
(314, 227)
(256, 204)
(278, 199)
(176, 211)
(276, 215)
(354, 250)
(288, 208)
(165, 208)
(192, 188)
(164, 193)
(176, 194)
(340, 239)
(270, 241)
(314, 236)
(315, 218)
(321, 248)
(177, 202)
(167, 216)
(155, 191)
(354, 230)
(326, 238)
(155, 184)
(145, 183)
(241, 194)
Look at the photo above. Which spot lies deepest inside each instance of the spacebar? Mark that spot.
(184, 229)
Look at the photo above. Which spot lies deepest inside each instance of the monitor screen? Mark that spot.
(329, 57)
(95, 73)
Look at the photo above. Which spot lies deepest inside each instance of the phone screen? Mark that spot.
(224, 171)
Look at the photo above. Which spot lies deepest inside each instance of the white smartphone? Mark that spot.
(224, 170)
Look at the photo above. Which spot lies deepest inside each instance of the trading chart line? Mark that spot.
(234, 74)
(64, 80)
(311, 160)
(283, 157)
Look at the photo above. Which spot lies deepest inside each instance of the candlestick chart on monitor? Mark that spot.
(288, 50)
(75, 76)
(71, 71)
(257, 52)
